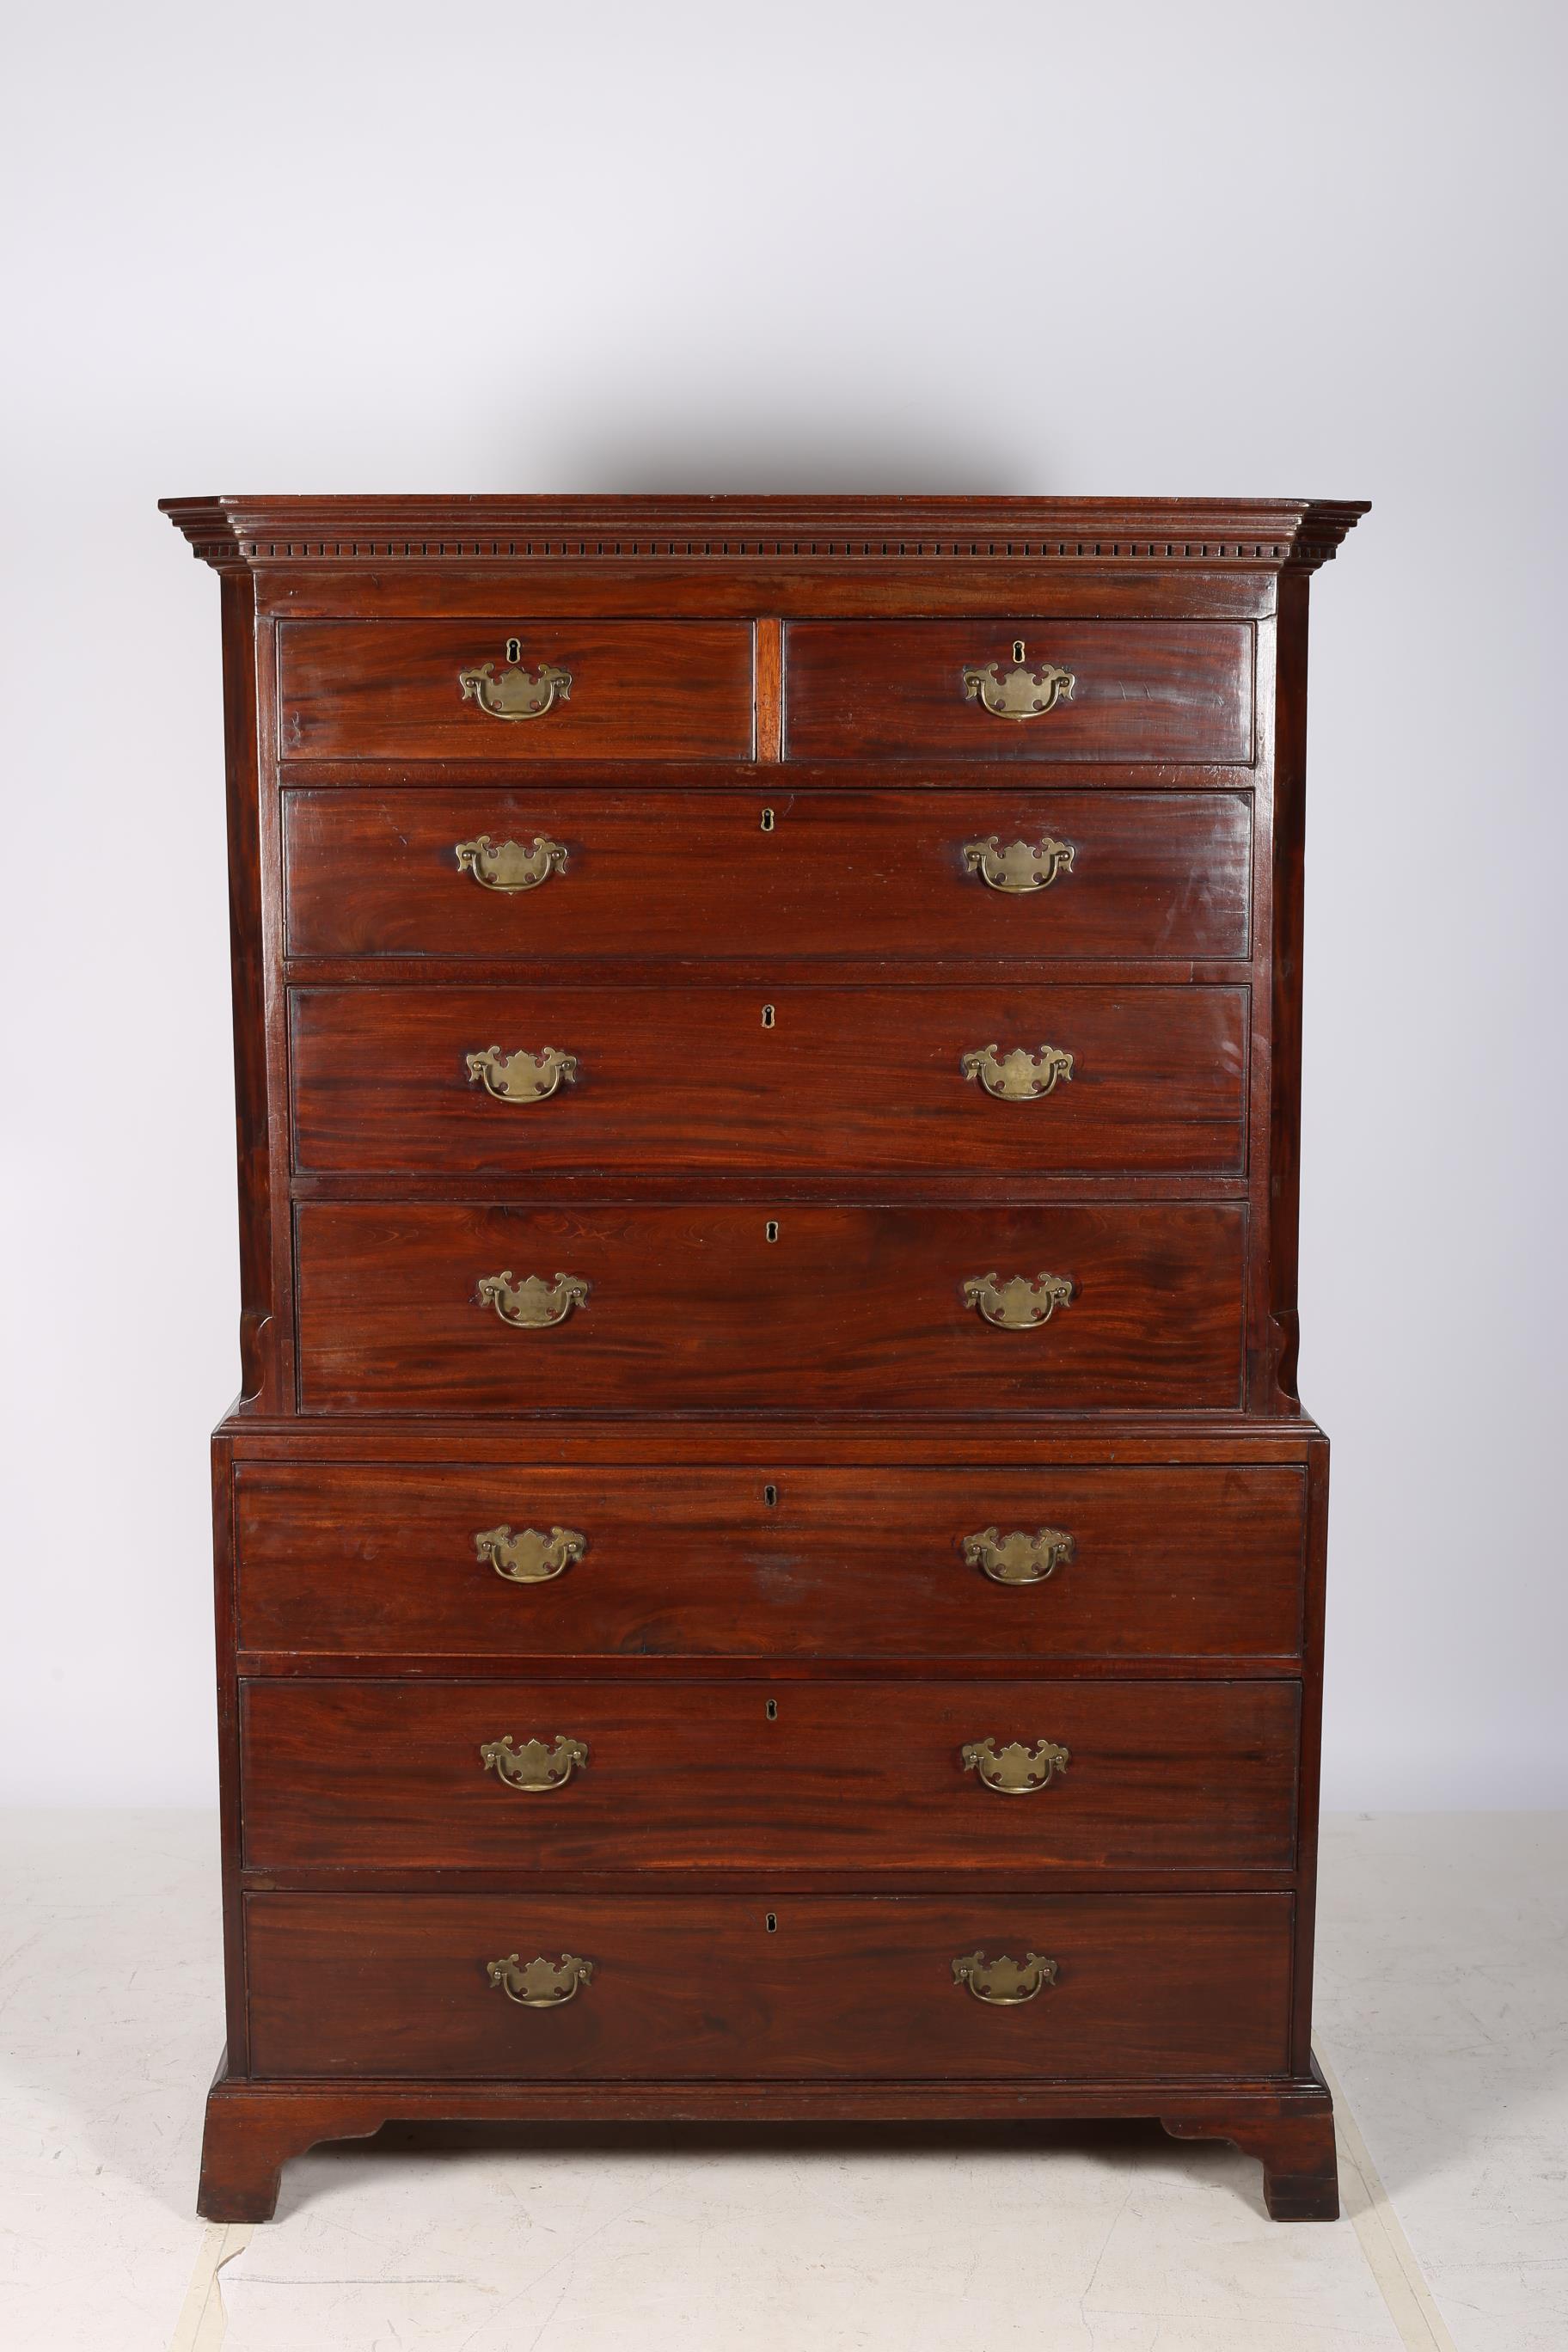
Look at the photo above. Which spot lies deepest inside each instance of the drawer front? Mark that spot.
(1138, 1986)
(498, 1561)
(705, 873)
(443, 691)
(1174, 691)
(859, 1310)
(989, 1080)
(844, 1775)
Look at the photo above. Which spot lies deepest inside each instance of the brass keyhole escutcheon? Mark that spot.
(514, 650)
(767, 820)
(772, 1229)
(770, 1919)
(768, 1016)
(772, 1710)
(771, 1497)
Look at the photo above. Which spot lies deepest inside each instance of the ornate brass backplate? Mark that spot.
(1019, 1304)
(534, 1304)
(522, 1077)
(507, 866)
(517, 693)
(1021, 692)
(529, 1557)
(1004, 1983)
(540, 1984)
(534, 1768)
(1017, 1077)
(1022, 866)
(1016, 1771)
(1018, 1558)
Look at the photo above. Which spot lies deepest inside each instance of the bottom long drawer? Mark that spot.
(893, 1988)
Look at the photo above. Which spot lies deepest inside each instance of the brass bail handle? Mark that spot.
(516, 692)
(1015, 1771)
(536, 1767)
(1004, 1983)
(540, 1983)
(1021, 692)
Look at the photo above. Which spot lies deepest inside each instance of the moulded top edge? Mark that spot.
(247, 532)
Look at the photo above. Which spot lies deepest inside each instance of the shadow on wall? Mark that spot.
(599, 449)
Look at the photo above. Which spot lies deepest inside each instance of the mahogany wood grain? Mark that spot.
(1168, 1563)
(848, 1309)
(894, 689)
(386, 690)
(770, 1985)
(844, 875)
(701, 1079)
(1164, 1776)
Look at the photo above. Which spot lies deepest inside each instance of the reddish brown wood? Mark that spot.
(1142, 690)
(1168, 1563)
(1178, 1653)
(658, 690)
(1164, 1776)
(700, 1079)
(366, 1985)
(847, 875)
(864, 1309)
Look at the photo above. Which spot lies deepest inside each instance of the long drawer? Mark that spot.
(566, 876)
(500, 1560)
(1018, 689)
(652, 1775)
(861, 1309)
(992, 1080)
(757, 1985)
(498, 691)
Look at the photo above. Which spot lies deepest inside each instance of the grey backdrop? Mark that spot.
(1260, 250)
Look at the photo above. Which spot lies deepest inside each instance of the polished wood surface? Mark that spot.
(773, 1416)
(1142, 690)
(864, 1309)
(658, 690)
(845, 1775)
(776, 1984)
(846, 875)
(1170, 1563)
(703, 1079)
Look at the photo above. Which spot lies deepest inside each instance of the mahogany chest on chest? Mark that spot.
(769, 1561)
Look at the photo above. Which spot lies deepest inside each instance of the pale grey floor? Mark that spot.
(1442, 2011)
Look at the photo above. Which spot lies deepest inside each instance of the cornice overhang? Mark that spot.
(1249, 534)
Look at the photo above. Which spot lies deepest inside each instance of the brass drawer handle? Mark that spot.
(522, 1077)
(1021, 692)
(1018, 1771)
(1018, 1558)
(529, 1557)
(534, 1304)
(1019, 1304)
(517, 693)
(1004, 1983)
(1017, 1077)
(507, 866)
(542, 1984)
(1023, 866)
(534, 1768)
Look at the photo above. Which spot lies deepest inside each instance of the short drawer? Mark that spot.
(564, 875)
(455, 1308)
(1019, 690)
(501, 1560)
(475, 691)
(655, 1776)
(769, 1985)
(990, 1080)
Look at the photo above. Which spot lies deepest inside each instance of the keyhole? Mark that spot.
(1018, 650)
(771, 1497)
(767, 820)
(772, 1229)
(514, 650)
(767, 1016)
(773, 1710)
(773, 1922)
